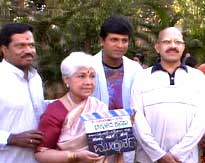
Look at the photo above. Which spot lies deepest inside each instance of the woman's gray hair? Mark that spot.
(74, 61)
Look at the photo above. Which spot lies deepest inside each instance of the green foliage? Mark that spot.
(63, 26)
(194, 26)
(150, 17)
(75, 27)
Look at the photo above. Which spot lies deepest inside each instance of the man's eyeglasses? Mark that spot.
(169, 42)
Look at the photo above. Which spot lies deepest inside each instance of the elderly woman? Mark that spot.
(64, 133)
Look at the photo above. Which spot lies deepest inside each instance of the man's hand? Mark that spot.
(169, 158)
(29, 139)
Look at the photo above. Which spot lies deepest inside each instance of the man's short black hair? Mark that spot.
(116, 24)
(140, 56)
(191, 61)
(10, 29)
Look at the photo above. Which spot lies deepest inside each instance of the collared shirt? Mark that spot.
(158, 67)
(21, 104)
(169, 117)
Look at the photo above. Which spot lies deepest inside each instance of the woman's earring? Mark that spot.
(67, 85)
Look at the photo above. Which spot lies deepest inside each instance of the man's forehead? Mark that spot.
(21, 37)
(170, 32)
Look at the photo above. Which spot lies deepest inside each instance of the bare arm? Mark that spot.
(52, 156)
(57, 156)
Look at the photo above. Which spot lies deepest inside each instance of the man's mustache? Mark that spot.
(28, 54)
(172, 50)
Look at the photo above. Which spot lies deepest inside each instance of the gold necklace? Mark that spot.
(72, 103)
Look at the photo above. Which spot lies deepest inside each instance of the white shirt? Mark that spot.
(132, 70)
(21, 104)
(169, 118)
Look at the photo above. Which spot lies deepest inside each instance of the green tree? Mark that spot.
(64, 26)
(193, 23)
(150, 17)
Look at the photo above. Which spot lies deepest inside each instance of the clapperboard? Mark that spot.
(109, 132)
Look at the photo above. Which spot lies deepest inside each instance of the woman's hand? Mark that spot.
(87, 156)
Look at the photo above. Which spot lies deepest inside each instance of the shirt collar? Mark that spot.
(18, 71)
(158, 66)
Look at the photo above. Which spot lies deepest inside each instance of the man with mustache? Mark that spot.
(169, 104)
(21, 95)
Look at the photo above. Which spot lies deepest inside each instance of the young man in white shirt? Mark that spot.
(116, 72)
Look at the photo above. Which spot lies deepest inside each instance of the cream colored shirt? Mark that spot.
(169, 118)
